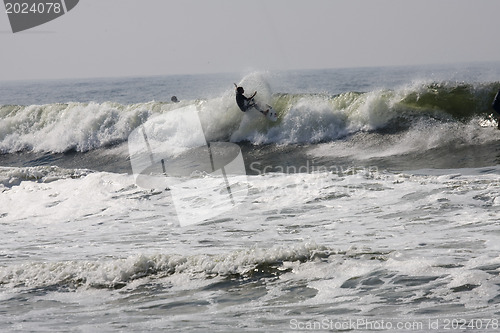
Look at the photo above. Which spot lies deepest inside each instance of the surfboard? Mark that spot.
(271, 115)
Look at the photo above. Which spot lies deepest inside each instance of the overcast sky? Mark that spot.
(107, 38)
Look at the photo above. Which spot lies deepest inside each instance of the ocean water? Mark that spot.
(372, 204)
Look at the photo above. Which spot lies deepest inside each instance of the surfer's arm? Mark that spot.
(255, 93)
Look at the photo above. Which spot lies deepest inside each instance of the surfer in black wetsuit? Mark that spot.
(245, 103)
(496, 107)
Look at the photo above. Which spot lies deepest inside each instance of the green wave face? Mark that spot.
(302, 118)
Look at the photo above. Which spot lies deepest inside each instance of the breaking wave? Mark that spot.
(118, 273)
(303, 118)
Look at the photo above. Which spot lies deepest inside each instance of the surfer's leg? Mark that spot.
(260, 110)
(496, 112)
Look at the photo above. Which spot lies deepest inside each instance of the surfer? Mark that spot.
(496, 107)
(245, 103)
(174, 99)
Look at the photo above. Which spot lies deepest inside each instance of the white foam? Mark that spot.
(321, 230)
(109, 273)
(306, 118)
(79, 126)
(421, 137)
(14, 176)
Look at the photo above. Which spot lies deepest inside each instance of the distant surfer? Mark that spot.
(174, 99)
(245, 103)
(496, 107)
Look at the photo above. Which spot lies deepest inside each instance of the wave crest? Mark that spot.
(118, 273)
(303, 118)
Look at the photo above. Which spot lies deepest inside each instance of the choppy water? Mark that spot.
(371, 204)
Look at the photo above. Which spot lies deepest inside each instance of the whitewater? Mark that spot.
(372, 203)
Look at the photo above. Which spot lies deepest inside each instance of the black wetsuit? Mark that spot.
(496, 103)
(243, 102)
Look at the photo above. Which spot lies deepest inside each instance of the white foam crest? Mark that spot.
(425, 136)
(87, 126)
(79, 126)
(305, 119)
(371, 110)
(168, 134)
(315, 118)
(118, 272)
(310, 120)
(421, 137)
(220, 117)
(44, 174)
(46, 195)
